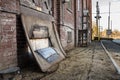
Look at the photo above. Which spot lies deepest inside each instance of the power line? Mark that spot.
(108, 13)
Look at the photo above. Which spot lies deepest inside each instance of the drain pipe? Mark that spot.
(112, 60)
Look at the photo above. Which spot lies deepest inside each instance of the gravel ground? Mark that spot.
(114, 50)
(111, 46)
(86, 63)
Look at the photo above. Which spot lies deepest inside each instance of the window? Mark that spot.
(47, 6)
(70, 5)
(69, 34)
(33, 1)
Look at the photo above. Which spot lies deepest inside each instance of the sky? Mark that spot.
(104, 10)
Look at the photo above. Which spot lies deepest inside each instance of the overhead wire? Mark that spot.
(108, 12)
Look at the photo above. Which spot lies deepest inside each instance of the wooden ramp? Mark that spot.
(32, 17)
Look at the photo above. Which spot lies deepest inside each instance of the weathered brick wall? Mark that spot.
(89, 6)
(56, 14)
(67, 19)
(64, 18)
(8, 42)
(13, 49)
(78, 18)
(9, 5)
(8, 45)
(13, 44)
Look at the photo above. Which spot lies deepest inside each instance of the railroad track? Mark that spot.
(111, 47)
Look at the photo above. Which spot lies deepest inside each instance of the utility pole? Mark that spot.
(109, 17)
(97, 20)
(111, 28)
(111, 25)
(109, 31)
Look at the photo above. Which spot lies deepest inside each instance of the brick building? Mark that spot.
(71, 20)
(65, 20)
(68, 17)
(84, 33)
(8, 40)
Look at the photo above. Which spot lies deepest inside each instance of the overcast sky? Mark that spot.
(104, 9)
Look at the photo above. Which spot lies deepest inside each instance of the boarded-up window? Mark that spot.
(69, 34)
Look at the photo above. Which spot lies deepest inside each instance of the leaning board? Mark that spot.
(31, 17)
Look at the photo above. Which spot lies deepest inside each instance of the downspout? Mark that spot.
(82, 19)
(82, 13)
(59, 19)
(58, 16)
(62, 19)
(91, 17)
(75, 23)
(53, 11)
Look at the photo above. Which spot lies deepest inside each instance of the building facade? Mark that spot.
(72, 18)
(65, 21)
(8, 40)
(84, 32)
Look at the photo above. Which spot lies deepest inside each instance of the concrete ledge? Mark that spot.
(9, 70)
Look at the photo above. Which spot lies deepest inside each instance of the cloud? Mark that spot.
(115, 0)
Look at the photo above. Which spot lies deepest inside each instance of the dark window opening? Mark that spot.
(33, 1)
(69, 34)
(46, 5)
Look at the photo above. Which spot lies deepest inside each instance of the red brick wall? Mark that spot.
(65, 21)
(89, 6)
(10, 24)
(8, 46)
(78, 18)
(56, 13)
(9, 5)
(8, 42)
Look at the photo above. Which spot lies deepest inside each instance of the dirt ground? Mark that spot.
(86, 63)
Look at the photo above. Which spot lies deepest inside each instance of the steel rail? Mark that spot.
(111, 58)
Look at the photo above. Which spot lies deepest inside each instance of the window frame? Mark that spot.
(70, 6)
